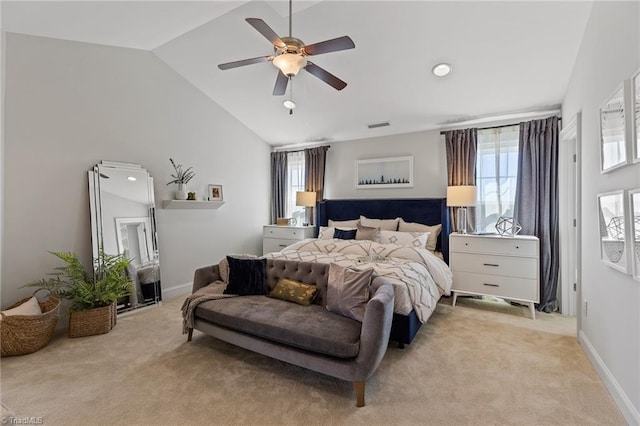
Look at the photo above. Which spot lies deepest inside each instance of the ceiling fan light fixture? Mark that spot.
(440, 70)
(289, 63)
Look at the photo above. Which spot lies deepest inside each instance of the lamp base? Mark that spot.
(461, 220)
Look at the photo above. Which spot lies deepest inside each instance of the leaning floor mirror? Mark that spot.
(123, 221)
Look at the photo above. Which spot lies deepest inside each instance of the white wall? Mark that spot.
(430, 165)
(70, 105)
(610, 330)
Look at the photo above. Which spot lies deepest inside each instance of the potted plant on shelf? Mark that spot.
(181, 177)
(93, 302)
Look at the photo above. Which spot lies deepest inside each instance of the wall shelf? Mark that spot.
(190, 204)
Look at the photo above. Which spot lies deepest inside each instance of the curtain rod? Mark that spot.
(492, 127)
(300, 150)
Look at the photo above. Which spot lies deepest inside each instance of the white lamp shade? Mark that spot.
(461, 196)
(305, 198)
(289, 63)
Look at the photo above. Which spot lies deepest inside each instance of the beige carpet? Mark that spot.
(469, 365)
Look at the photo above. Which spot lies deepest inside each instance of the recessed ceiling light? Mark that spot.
(131, 178)
(289, 104)
(441, 70)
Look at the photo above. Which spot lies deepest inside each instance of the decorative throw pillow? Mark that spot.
(348, 291)
(294, 291)
(344, 223)
(419, 227)
(388, 224)
(223, 265)
(367, 233)
(411, 239)
(246, 276)
(345, 234)
(30, 307)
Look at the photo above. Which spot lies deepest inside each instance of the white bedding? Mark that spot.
(418, 276)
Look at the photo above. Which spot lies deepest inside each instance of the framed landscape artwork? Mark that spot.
(390, 172)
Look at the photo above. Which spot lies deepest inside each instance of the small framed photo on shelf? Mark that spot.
(214, 193)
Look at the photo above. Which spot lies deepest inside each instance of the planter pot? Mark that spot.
(181, 193)
(92, 322)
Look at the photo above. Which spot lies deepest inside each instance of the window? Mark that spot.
(496, 175)
(295, 183)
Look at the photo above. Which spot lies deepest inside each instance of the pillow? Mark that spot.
(294, 291)
(246, 276)
(388, 224)
(223, 265)
(419, 227)
(367, 233)
(411, 239)
(326, 232)
(30, 307)
(348, 291)
(345, 234)
(344, 223)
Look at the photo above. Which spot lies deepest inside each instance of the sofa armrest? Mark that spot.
(205, 276)
(376, 327)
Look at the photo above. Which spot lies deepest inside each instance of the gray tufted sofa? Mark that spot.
(307, 336)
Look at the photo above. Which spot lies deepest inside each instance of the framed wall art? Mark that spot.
(634, 210)
(635, 115)
(612, 229)
(613, 141)
(214, 193)
(390, 172)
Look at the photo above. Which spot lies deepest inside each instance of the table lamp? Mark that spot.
(306, 199)
(461, 196)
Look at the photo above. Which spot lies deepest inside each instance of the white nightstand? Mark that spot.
(275, 238)
(492, 265)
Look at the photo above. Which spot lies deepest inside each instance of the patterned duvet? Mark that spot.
(418, 276)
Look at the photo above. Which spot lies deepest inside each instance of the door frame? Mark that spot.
(570, 199)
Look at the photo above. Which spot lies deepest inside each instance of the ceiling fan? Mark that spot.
(290, 56)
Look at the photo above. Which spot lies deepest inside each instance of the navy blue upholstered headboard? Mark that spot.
(429, 211)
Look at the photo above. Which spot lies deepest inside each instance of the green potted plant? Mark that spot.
(181, 177)
(93, 301)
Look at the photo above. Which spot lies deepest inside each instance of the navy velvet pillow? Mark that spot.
(246, 276)
(345, 234)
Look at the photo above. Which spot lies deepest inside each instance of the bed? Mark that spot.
(419, 277)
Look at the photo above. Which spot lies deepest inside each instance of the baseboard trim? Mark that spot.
(175, 291)
(630, 413)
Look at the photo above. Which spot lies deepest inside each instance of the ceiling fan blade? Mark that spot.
(244, 62)
(266, 31)
(281, 84)
(325, 76)
(333, 45)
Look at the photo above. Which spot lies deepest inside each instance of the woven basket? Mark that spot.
(92, 322)
(25, 334)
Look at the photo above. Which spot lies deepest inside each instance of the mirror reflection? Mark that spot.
(123, 222)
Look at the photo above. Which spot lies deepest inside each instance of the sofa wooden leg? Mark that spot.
(190, 335)
(359, 387)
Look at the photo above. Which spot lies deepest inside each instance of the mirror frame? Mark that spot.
(98, 226)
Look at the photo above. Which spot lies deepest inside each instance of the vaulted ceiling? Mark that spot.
(507, 57)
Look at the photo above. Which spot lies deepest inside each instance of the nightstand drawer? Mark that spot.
(495, 285)
(270, 245)
(286, 232)
(511, 266)
(494, 245)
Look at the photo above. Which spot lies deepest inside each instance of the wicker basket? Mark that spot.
(25, 334)
(92, 322)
